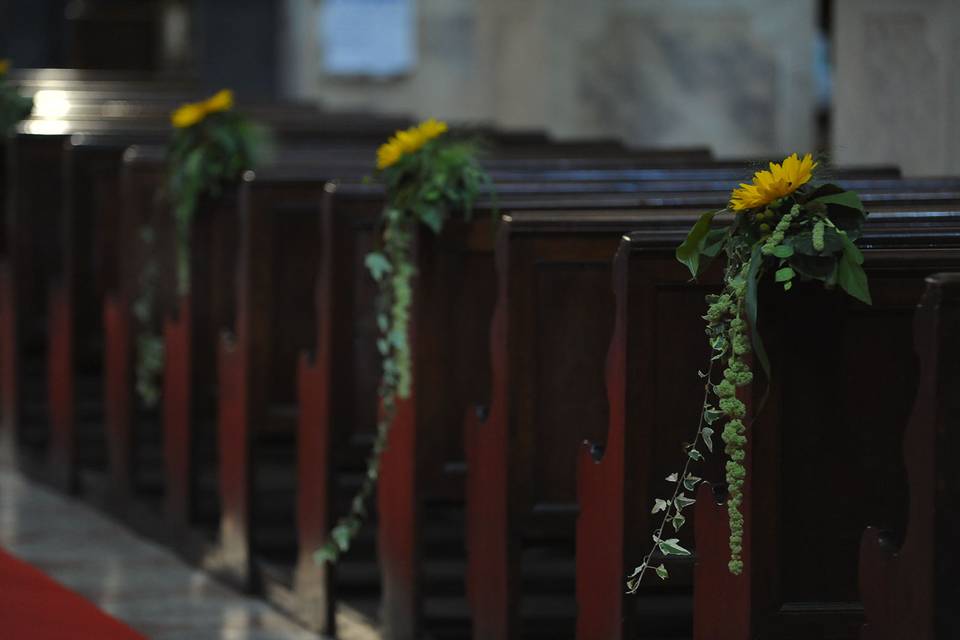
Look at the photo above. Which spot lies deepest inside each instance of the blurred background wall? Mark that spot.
(869, 81)
(898, 84)
(736, 75)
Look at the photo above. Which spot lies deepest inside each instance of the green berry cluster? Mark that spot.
(780, 231)
(729, 338)
(819, 230)
(725, 314)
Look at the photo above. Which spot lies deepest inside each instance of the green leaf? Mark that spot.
(672, 547)
(826, 189)
(327, 553)
(659, 504)
(712, 415)
(695, 455)
(850, 274)
(673, 477)
(848, 199)
(848, 221)
(682, 501)
(784, 274)
(690, 482)
(432, 217)
(707, 434)
(714, 242)
(677, 521)
(852, 250)
(633, 580)
(662, 572)
(689, 251)
(378, 265)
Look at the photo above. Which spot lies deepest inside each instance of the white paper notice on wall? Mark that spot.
(368, 37)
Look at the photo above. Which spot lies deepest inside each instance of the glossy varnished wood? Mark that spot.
(790, 595)
(909, 590)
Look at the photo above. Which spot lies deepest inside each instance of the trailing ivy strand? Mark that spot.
(428, 178)
(212, 146)
(784, 223)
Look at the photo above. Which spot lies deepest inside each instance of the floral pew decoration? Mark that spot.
(14, 107)
(212, 146)
(785, 223)
(429, 177)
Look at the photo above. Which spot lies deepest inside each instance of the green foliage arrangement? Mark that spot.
(785, 224)
(428, 178)
(212, 146)
(13, 107)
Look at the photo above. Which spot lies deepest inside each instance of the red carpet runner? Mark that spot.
(34, 607)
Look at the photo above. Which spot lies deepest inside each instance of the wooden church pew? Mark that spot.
(647, 379)
(908, 590)
(549, 247)
(802, 553)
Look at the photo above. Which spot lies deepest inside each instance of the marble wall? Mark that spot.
(898, 85)
(736, 75)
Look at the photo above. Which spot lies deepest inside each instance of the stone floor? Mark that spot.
(136, 581)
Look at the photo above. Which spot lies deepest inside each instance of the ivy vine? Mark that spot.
(785, 224)
(428, 178)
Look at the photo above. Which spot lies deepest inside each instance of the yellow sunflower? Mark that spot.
(408, 141)
(781, 180)
(389, 154)
(221, 101)
(193, 112)
(432, 128)
(188, 115)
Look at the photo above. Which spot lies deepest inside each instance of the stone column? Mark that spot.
(897, 89)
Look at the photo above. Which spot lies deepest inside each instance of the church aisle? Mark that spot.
(131, 579)
(35, 607)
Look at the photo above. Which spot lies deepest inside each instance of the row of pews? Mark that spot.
(556, 344)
